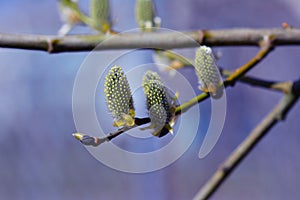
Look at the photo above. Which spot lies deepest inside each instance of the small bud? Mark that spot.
(159, 104)
(208, 72)
(100, 15)
(118, 97)
(89, 140)
(146, 16)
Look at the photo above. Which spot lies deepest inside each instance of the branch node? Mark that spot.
(200, 36)
(279, 117)
(224, 168)
(267, 42)
(284, 87)
(286, 25)
(51, 42)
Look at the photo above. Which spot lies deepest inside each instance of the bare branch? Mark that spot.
(160, 40)
(277, 114)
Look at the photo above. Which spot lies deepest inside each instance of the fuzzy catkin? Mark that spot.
(157, 101)
(208, 72)
(118, 97)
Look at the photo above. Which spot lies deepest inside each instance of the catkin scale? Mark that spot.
(118, 97)
(158, 103)
(208, 72)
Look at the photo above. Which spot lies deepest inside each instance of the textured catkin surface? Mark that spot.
(157, 100)
(207, 71)
(118, 94)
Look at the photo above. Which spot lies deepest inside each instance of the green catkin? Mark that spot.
(158, 104)
(100, 15)
(118, 97)
(145, 15)
(208, 72)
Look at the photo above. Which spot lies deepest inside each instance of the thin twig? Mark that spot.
(278, 113)
(138, 122)
(262, 53)
(257, 82)
(158, 40)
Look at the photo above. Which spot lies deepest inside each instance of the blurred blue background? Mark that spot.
(39, 159)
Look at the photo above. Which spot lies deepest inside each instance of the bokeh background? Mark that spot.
(39, 159)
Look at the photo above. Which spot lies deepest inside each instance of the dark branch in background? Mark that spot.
(277, 114)
(256, 82)
(161, 40)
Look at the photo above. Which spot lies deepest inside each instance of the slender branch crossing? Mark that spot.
(277, 114)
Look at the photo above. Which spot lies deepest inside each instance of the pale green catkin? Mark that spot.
(158, 103)
(100, 15)
(118, 97)
(145, 15)
(208, 72)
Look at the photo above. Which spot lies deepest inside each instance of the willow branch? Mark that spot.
(160, 40)
(277, 114)
(138, 122)
(266, 47)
